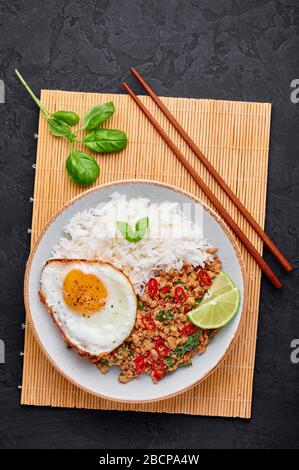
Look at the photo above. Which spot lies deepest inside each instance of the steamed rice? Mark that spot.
(171, 240)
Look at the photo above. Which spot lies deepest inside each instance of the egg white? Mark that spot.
(103, 331)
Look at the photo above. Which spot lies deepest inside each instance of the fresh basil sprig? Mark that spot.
(82, 168)
(97, 115)
(106, 140)
(129, 233)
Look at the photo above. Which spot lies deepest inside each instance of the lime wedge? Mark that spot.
(217, 312)
(221, 284)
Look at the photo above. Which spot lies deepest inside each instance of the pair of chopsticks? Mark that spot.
(222, 211)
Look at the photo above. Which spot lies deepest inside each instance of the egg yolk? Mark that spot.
(84, 293)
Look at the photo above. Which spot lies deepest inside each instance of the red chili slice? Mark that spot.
(204, 277)
(189, 329)
(148, 323)
(158, 369)
(161, 348)
(165, 289)
(152, 287)
(139, 364)
(149, 358)
(180, 295)
(187, 309)
(158, 374)
(159, 363)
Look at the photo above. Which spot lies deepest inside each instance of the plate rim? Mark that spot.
(195, 199)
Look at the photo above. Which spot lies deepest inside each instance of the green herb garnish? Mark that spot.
(60, 129)
(190, 345)
(82, 168)
(169, 361)
(104, 363)
(163, 315)
(169, 315)
(160, 315)
(98, 114)
(106, 140)
(130, 234)
(69, 117)
(139, 306)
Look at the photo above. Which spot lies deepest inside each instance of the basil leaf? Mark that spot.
(160, 316)
(163, 315)
(97, 115)
(60, 129)
(169, 315)
(189, 345)
(169, 362)
(69, 117)
(141, 227)
(104, 362)
(126, 231)
(82, 168)
(106, 140)
(129, 234)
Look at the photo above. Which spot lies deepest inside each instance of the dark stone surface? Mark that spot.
(242, 50)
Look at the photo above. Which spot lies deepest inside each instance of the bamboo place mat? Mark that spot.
(235, 138)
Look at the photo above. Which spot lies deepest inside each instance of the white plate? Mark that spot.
(80, 371)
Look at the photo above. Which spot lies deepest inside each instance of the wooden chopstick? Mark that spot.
(222, 211)
(268, 242)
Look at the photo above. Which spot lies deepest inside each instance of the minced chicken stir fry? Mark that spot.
(163, 338)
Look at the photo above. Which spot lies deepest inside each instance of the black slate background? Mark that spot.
(243, 50)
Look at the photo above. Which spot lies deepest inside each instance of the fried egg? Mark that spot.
(93, 303)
